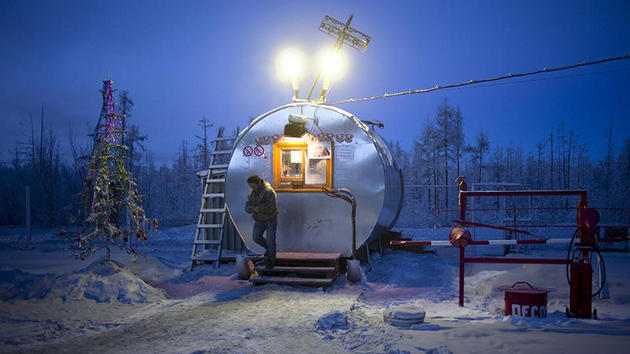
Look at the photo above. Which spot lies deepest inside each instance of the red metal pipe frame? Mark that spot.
(462, 250)
(438, 226)
(463, 195)
(581, 193)
(518, 242)
(463, 259)
(496, 227)
(488, 242)
(517, 208)
(515, 260)
(462, 262)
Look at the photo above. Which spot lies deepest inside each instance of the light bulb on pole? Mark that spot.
(333, 65)
(289, 67)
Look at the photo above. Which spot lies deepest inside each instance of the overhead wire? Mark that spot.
(540, 79)
(478, 81)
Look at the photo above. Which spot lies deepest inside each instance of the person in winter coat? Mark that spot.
(262, 203)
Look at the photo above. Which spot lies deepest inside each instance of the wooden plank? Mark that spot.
(307, 256)
(210, 226)
(214, 195)
(216, 180)
(292, 281)
(222, 152)
(224, 138)
(218, 167)
(204, 257)
(213, 257)
(207, 242)
(212, 210)
(292, 269)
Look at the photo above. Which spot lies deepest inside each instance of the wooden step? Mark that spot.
(205, 257)
(224, 138)
(263, 279)
(207, 242)
(218, 167)
(308, 256)
(215, 173)
(214, 195)
(222, 152)
(210, 255)
(307, 259)
(210, 226)
(212, 210)
(216, 180)
(306, 272)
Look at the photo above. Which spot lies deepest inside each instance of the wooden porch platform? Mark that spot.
(301, 268)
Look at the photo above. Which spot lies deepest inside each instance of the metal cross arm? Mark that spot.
(343, 33)
(350, 36)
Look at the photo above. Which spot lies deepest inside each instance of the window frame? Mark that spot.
(278, 147)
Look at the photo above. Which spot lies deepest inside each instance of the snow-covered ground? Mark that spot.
(50, 302)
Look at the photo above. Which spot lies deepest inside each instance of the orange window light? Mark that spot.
(294, 171)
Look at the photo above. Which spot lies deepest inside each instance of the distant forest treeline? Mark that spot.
(440, 153)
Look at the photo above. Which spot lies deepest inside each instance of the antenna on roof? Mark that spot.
(343, 34)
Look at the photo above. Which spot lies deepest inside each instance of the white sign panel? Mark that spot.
(344, 152)
(319, 150)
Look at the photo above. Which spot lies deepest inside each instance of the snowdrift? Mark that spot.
(102, 281)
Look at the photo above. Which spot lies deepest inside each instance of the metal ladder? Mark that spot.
(212, 215)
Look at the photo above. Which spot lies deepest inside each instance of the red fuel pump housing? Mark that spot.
(581, 284)
(581, 271)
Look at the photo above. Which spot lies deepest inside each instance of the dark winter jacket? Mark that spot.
(262, 204)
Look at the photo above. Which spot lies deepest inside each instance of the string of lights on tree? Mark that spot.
(114, 211)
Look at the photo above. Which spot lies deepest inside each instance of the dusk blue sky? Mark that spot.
(181, 60)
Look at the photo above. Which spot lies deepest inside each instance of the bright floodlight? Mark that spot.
(289, 66)
(333, 64)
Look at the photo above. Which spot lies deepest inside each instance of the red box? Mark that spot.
(525, 300)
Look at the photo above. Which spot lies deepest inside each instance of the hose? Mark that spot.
(602, 265)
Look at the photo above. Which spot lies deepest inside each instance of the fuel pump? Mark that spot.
(579, 265)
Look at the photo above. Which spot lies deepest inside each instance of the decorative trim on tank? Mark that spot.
(339, 137)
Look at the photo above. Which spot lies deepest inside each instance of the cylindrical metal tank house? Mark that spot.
(300, 148)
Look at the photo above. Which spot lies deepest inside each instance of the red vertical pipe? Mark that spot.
(462, 250)
(461, 275)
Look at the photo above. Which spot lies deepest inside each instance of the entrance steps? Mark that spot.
(301, 269)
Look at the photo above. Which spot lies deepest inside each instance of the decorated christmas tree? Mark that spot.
(113, 211)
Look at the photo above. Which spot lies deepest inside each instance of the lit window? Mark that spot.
(302, 167)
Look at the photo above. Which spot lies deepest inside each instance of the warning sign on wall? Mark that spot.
(344, 153)
(319, 150)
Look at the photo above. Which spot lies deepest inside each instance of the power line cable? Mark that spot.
(472, 82)
(540, 79)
